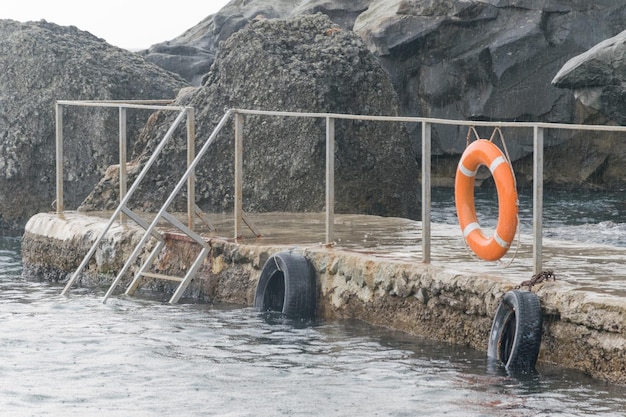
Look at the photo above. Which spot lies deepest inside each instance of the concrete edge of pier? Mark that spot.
(582, 330)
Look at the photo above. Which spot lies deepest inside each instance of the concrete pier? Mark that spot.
(373, 272)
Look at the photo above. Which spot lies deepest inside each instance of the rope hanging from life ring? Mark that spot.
(485, 152)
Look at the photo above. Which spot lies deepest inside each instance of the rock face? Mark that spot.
(42, 62)
(462, 59)
(598, 78)
(302, 64)
(459, 59)
(192, 54)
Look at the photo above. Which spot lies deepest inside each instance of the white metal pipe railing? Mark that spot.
(426, 123)
(124, 201)
(330, 180)
(122, 154)
(434, 120)
(123, 106)
(129, 104)
(537, 198)
(165, 206)
(60, 207)
(238, 192)
(538, 129)
(191, 155)
(426, 189)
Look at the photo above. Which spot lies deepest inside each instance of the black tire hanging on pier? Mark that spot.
(515, 335)
(287, 285)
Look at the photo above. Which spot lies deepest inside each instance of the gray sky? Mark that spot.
(130, 24)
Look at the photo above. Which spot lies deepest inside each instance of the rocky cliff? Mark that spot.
(42, 62)
(598, 79)
(307, 64)
(459, 59)
(464, 59)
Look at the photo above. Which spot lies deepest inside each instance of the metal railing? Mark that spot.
(123, 106)
(123, 209)
(426, 123)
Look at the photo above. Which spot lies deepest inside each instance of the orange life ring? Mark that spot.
(484, 152)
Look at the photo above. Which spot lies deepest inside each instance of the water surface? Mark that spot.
(135, 356)
(593, 217)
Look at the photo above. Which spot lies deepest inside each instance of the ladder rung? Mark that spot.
(161, 276)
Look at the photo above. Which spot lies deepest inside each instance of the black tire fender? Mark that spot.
(287, 284)
(515, 336)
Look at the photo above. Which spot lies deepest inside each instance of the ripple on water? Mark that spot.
(131, 356)
(138, 357)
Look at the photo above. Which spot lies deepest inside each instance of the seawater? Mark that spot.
(593, 217)
(74, 356)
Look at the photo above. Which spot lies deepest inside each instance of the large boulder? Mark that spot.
(305, 64)
(598, 79)
(192, 53)
(42, 62)
(458, 59)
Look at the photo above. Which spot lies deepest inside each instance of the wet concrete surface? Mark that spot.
(589, 267)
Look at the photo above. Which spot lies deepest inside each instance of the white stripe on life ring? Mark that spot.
(465, 171)
(470, 228)
(496, 162)
(500, 241)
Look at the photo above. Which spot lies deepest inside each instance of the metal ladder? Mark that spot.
(144, 269)
(150, 228)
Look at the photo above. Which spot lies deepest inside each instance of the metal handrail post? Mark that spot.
(58, 108)
(426, 190)
(330, 179)
(122, 150)
(191, 154)
(238, 206)
(537, 198)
